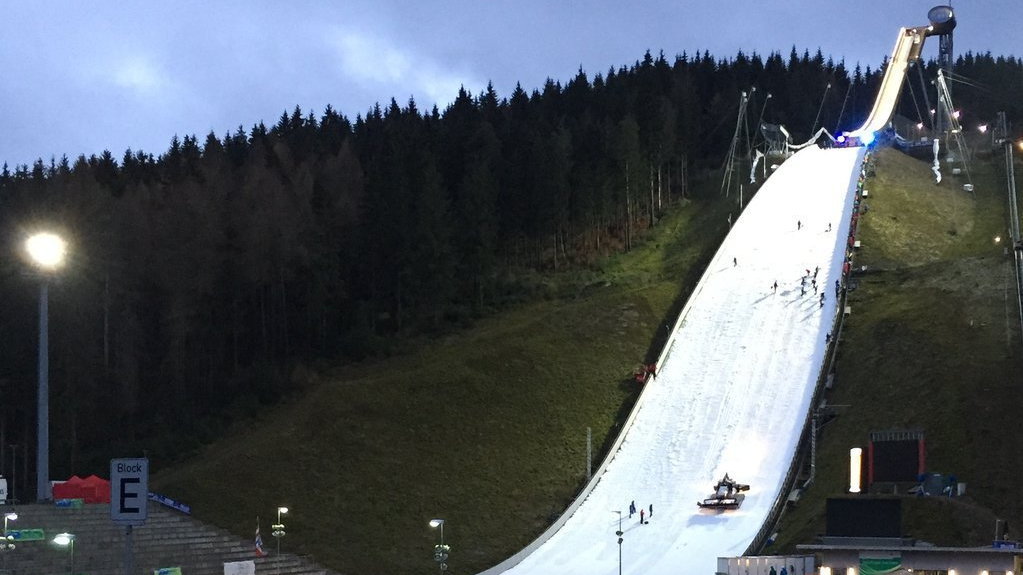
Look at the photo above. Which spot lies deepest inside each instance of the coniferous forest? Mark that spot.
(200, 276)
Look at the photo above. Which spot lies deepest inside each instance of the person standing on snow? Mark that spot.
(642, 512)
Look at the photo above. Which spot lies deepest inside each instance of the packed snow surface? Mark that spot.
(732, 391)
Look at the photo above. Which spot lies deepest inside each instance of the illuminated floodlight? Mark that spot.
(920, 126)
(855, 462)
(955, 114)
(982, 128)
(46, 250)
(867, 139)
(841, 139)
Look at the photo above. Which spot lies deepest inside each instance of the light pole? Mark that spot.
(278, 533)
(68, 540)
(11, 494)
(819, 108)
(47, 252)
(9, 516)
(8, 541)
(440, 552)
(619, 534)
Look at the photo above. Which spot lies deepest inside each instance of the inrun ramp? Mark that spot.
(908, 45)
(731, 394)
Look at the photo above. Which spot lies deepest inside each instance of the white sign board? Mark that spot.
(3, 489)
(240, 568)
(129, 490)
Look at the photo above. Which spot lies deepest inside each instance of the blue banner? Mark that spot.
(164, 500)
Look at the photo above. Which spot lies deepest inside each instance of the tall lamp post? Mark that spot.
(278, 533)
(441, 551)
(7, 544)
(67, 540)
(47, 252)
(11, 493)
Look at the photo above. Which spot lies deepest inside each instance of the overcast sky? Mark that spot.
(83, 77)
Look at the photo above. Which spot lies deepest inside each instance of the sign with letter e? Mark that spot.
(129, 490)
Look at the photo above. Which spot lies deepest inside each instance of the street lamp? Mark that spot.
(11, 493)
(67, 540)
(47, 251)
(441, 551)
(278, 532)
(6, 543)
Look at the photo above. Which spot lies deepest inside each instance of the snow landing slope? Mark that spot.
(731, 394)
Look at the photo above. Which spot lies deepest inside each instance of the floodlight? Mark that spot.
(46, 250)
(855, 457)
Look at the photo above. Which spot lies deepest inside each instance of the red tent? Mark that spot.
(97, 490)
(92, 489)
(70, 489)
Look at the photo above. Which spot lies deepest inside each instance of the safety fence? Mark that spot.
(806, 436)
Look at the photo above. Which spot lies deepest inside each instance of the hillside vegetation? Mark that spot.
(932, 344)
(485, 428)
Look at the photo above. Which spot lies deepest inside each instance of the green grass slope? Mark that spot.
(485, 428)
(932, 344)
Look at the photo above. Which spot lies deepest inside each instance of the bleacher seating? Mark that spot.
(168, 539)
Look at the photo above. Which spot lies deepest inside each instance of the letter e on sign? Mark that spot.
(129, 490)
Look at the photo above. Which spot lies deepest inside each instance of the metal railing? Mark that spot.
(777, 507)
(1014, 232)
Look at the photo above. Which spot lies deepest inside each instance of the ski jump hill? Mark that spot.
(731, 392)
(735, 382)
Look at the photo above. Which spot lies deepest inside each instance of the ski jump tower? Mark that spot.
(908, 46)
(942, 17)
